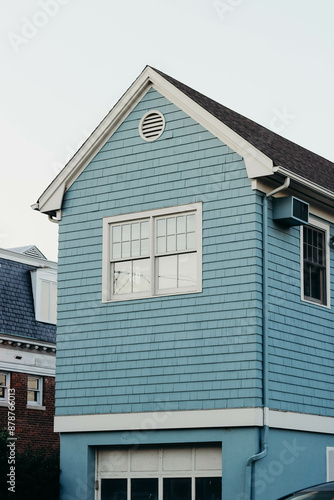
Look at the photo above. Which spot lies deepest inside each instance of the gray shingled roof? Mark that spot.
(17, 314)
(283, 152)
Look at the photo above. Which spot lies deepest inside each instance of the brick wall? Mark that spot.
(34, 427)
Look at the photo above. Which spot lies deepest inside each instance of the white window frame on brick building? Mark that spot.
(152, 253)
(4, 386)
(35, 391)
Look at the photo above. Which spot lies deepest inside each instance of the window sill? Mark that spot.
(36, 407)
(4, 403)
(326, 306)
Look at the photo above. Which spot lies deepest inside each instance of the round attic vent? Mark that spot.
(151, 125)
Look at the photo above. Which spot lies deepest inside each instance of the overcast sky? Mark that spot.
(65, 63)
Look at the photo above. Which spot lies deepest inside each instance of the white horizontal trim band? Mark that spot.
(236, 417)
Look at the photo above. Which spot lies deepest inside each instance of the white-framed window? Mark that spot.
(315, 263)
(4, 386)
(168, 474)
(35, 390)
(44, 286)
(147, 254)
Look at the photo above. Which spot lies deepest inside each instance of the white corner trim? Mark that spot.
(234, 417)
(257, 164)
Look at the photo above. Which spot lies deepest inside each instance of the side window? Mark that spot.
(315, 263)
(4, 386)
(152, 253)
(35, 390)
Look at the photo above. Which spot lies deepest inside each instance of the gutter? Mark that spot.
(250, 473)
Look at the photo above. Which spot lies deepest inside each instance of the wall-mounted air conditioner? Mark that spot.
(290, 211)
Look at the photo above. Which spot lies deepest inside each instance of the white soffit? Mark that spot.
(257, 164)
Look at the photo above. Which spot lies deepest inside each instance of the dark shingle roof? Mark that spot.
(283, 152)
(17, 314)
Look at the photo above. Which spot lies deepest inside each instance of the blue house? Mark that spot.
(195, 305)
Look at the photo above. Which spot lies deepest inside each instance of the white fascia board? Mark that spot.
(257, 164)
(234, 417)
(51, 199)
(240, 417)
(26, 259)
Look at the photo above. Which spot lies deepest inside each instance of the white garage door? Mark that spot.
(159, 474)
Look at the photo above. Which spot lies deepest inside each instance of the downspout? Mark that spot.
(265, 364)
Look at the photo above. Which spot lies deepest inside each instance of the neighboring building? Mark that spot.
(28, 300)
(195, 313)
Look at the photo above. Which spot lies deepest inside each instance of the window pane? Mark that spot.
(161, 227)
(177, 488)
(144, 489)
(171, 243)
(181, 224)
(113, 489)
(2, 379)
(181, 242)
(116, 234)
(144, 229)
(167, 272)
(116, 251)
(135, 248)
(144, 247)
(187, 270)
(126, 232)
(141, 276)
(122, 277)
(208, 488)
(32, 396)
(33, 383)
(171, 225)
(2, 392)
(191, 241)
(126, 249)
(191, 223)
(135, 231)
(161, 244)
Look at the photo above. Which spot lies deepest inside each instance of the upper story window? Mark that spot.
(35, 390)
(315, 263)
(44, 285)
(153, 253)
(4, 386)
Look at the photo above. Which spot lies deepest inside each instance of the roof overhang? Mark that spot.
(257, 164)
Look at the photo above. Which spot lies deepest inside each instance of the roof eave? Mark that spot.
(257, 164)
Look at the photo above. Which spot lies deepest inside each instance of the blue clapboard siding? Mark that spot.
(301, 334)
(195, 351)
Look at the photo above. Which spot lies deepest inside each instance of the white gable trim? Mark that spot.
(257, 164)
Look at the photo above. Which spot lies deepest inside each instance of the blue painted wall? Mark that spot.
(295, 459)
(189, 351)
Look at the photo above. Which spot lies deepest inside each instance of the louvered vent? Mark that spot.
(151, 126)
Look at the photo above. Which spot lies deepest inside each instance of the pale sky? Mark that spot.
(65, 63)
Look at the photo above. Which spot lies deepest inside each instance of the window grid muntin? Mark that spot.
(195, 220)
(314, 264)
